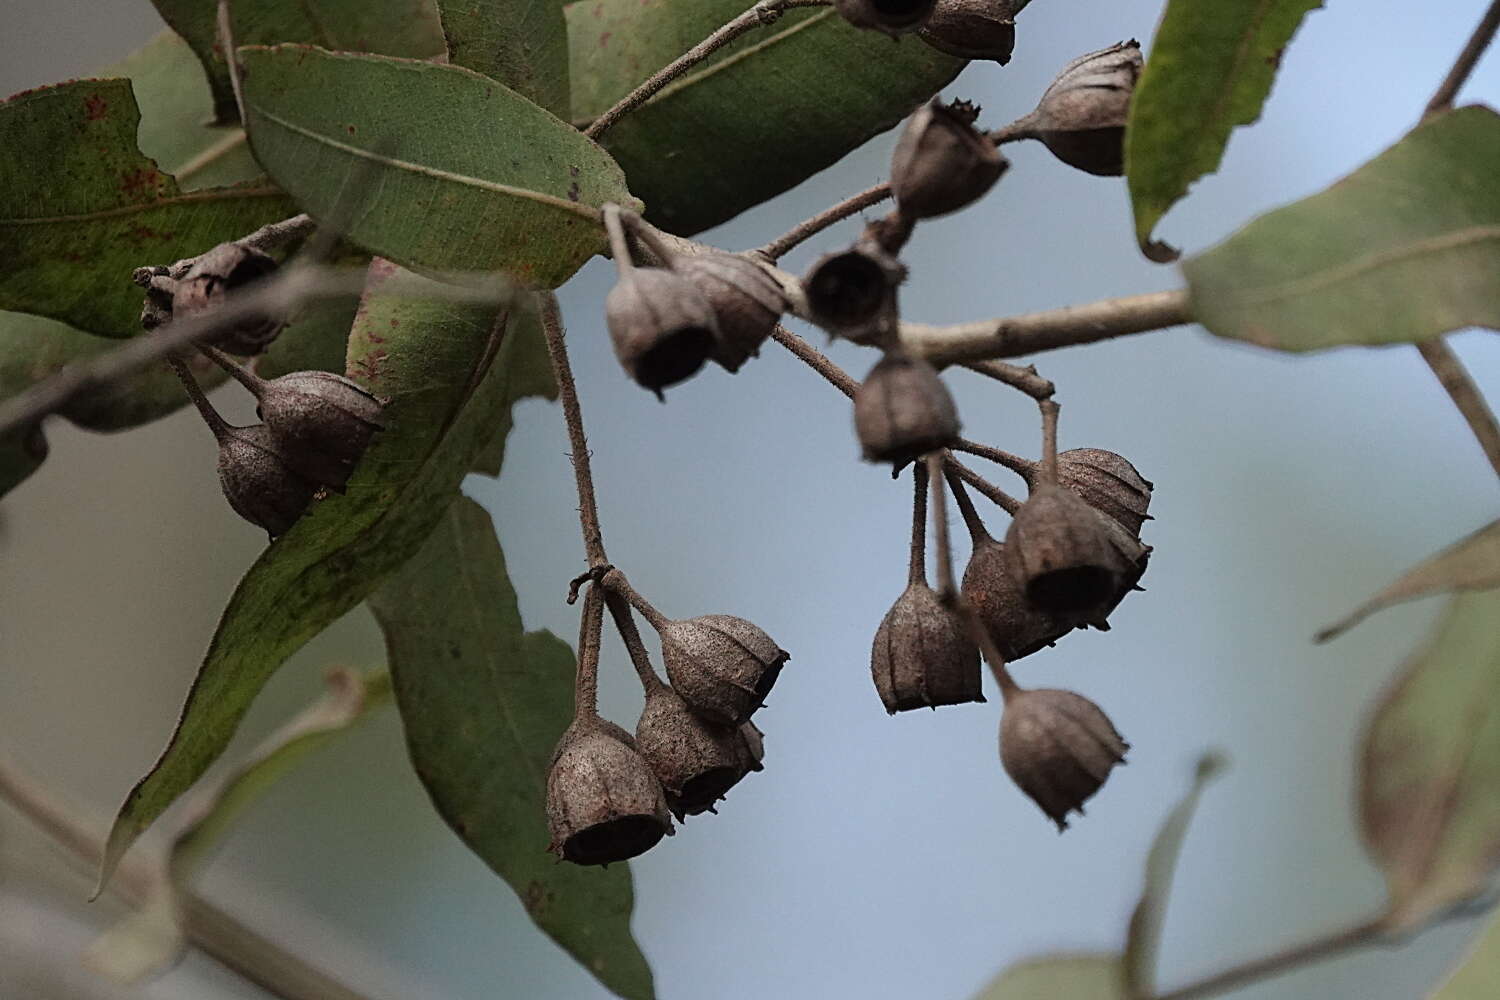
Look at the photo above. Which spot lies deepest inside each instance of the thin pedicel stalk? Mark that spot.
(615, 582)
(619, 610)
(993, 493)
(809, 228)
(916, 570)
(1016, 376)
(1484, 33)
(814, 359)
(216, 423)
(236, 371)
(567, 391)
(977, 531)
(1023, 467)
(586, 678)
(1455, 379)
(1049, 441)
(947, 588)
(619, 248)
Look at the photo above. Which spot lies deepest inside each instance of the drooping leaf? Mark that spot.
(521, 43)
(483, 703)
(1060, 977)
(447, 369)
(389, 27)
(463, 174)
(1471, 564)
(151, 939)
(1431, 763)
(1478, 978)
(779, 105)
(81, 208)
(1404, 249)
(1211, 68)
(1144, 936)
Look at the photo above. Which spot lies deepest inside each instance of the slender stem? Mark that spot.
(275, 234)
(208, 157)
(993, 493)
(615, 582)
(809, 228)
(1031, 333)
(1283, 961)
(649, 235)
(1484, 33)
(977, 531)
(236, 371)
(947, 589)
(916, 568)
(619, 610)
(619, 249)
(815, 360)
(210, 415)
(1022, 128)
(586, 677)
(1049, 441)
(1466, 396)
(1023, 467)
(1019, 377)
(588, 509)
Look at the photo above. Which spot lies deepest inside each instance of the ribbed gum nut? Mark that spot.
(942, 162)
(922, 656)
(1081, 116)
(1107, 482)
(662, 328)
(722, 666)
(1061, 553)
(1017, 627)
(902, 410)
(1059, 747)
(213, 276)
(746, 302)
(322, 422)
(258, 481)
(603, 802)
(852, 293)
(890, 16)
(972, 29)
(1136, 556)
(696, 761)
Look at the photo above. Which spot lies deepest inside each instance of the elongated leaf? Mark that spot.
(1431, 764)
(1144, 937)
(1478, 978)
(389, 27)
(483, 703)
(151, 939)
(465, 175)
(786, 101)
(1060, 977)
(1471, 564)
(1405, 248)
(521, 43)
(1211, 67)
(80, 207)
(449, 382)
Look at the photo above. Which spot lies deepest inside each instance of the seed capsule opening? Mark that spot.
(848, 289)
(613, 840)
(1075, 589)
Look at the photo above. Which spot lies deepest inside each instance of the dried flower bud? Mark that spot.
(746, 301)
(922, 656)
(1017, 627)
(662, 327)
(903, 410)
(972, 29)
(890, 16)
(853, 293)
(258, 481)
(1062, 554)
(213, 276)
(322, 422)
(1059, 748)
(722, 666)
(696, 761)
(603, 802)
(1106, 481)
(942, 162)
(1081, 116)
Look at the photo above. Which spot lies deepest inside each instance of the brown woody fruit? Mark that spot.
(1081, 116)
(746, 302)
(922, 656)
(662, 327)
(212, 277)
(722, 666)
(696, 761)
(942, 162)
(890, 16)
(322, 422)
(852, 293)
(1059, 748)
(902, 410)
(1017, 627)
(750, 743)
(1063, 555)
(972, 29)
(603, 802)
(1106, 481)
(258, 481)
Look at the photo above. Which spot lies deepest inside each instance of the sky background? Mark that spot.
(875, 857)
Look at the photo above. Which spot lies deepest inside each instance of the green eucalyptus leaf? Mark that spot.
(521, 43)
(1404, 249)
(389, 27)
(1211, 68)
(446, 367)
(483, 703)
(1478, 978)
(768, 111)
(316, 340)
(1060, 977)
(458, 173)
(1431, 764)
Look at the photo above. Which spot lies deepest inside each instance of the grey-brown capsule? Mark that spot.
(322, 422)
(662, 327)
(902, 410)
(258, 481)
(1059, 747)
(942, 162)
(1017, 627)
(722, 666)
(746, 302)
(1063, 555)
(603, 802)
(922, 656)
(972, 29)
(1107, 482)
(750, 743)
(890, 16)
(1081, 116)
(852, 293)
(212, 277)
(696, 761)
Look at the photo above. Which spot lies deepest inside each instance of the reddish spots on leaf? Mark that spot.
(142, 182)
(395, 323)
(604, 38)
(95, 107)
(573, 191)
(147, 233)
(573, 171)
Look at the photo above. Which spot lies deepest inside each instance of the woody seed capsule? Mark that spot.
(1081, 116)
(662, 327)
(1059, 747)
(258, 481)
(922, 656)
(213, 276)
(722, 666)
(603, 802)
(746, 302)
(890, 16)
(1107, 482)
(852, 294)
(1017, 627)
(321, 421)
(696, 761)
(1062, 554)
(942, 163)
(902, 410)
(972, 29)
